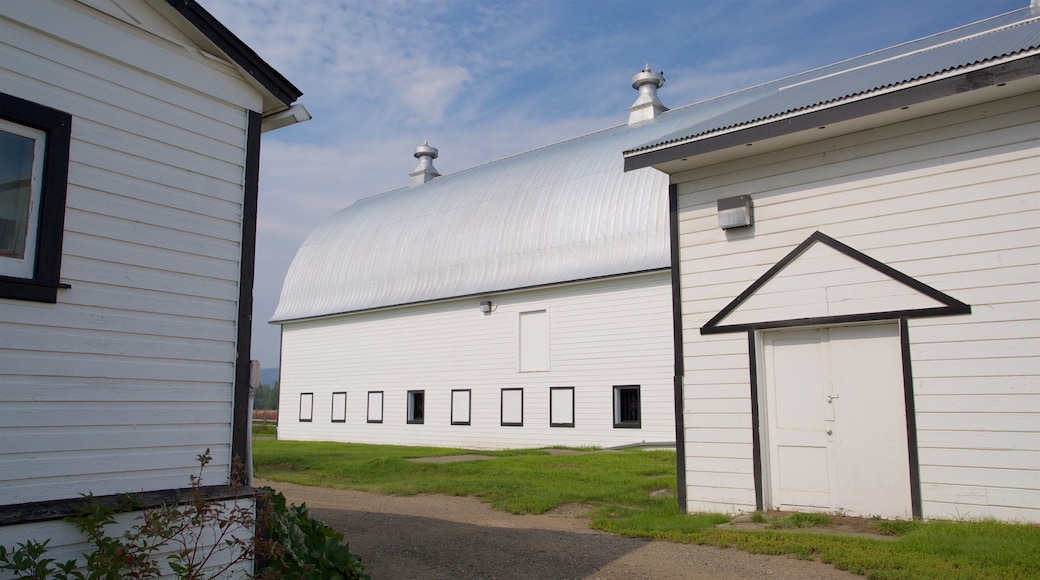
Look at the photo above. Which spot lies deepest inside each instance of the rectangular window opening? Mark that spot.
(627, 407)
(375, 406)
(461, 406)
(34, 159)
(561, 406)
(416, 406)
(306, 407)
(513, 407)
(339, 407)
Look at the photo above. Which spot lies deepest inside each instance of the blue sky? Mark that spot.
(486, 79)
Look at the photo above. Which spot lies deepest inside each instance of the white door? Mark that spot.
(835, 421)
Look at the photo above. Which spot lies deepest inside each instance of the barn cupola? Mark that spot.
(647, 105)
(425, 171)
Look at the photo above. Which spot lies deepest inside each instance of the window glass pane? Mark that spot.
(17, 153)
(339, 407)
(416, 410)
(460, 406)
(513, 407)
(626, 406)
(375, 406)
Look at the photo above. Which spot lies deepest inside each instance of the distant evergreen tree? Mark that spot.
(266, 396)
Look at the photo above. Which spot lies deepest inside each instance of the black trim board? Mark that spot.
(951, 306)
(937, 89)
(756, 422)
(42, 511)
(677, 348)
(240, 411)
(238, 51)
(911, 420)
(46, 278)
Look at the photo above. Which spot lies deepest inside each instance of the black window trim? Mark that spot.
(469, 401)
(410, 408)
(502, 408)
(573, 403)
(333, 409)
(310, 411)
(45, 281)
(619, 423)
(368, 407)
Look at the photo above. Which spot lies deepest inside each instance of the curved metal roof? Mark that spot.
(560, 213)
(569, 211)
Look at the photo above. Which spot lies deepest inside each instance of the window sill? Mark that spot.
(30, 289)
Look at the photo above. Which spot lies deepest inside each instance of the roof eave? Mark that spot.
(974, 79)
(270, 79)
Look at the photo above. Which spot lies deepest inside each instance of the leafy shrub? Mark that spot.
(204, 538)
(299, 546)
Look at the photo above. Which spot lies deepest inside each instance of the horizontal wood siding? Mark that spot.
(603, 333)
(65, 542)
(952, 200)
(118, 386)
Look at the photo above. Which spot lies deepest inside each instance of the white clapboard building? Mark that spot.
(859, 283)
(129, 151)
(521, 303)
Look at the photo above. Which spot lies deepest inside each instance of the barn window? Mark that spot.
(626, 407)
(416, 406)
(306, 407)
(561, 406)
(461, 406)
(375, 406)
(513, 407)
(34, 159)
(339, 407)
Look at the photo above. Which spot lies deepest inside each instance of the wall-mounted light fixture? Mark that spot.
(736, 212)
(485, 306)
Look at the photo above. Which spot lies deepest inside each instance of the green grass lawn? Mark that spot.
(618, 488)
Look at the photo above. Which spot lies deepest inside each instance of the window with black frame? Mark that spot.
(627, 412)
(34, 159)
(416, 406)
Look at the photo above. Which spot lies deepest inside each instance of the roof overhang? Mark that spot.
(1013, 76)
(279, 93)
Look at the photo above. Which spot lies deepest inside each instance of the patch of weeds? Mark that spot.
(897, 527)
(800, 520)
(758, 518)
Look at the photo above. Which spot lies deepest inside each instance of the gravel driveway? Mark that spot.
(435, 536)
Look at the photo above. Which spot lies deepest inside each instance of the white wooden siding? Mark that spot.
(118, 386)
(952, 200)
(601, 334)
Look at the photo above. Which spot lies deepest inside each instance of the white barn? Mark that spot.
(858, 277)
(521, 303)
(129, 156)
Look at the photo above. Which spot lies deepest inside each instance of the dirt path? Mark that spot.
(435, 536)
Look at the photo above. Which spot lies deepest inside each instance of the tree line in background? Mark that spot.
(266, 397)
